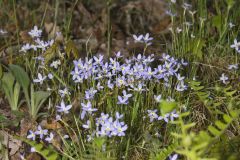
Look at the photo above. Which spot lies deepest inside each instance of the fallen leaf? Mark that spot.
(10, 143)
(48, 27)
(25, 37)
(25, 126)
(51, 125)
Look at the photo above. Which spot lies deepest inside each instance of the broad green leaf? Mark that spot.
(231, 93)
(8, 79)
(99, 142)
(39, 98)
(11, 90)
(16, 93)
(167, 106)
(214, 131)
(188, 126)
(234, 114)
(197, 47)
(217, 22)
(36, 101)
(227, 118)
(40, 95)
(220, 125)
(22, 78)
(20, 75)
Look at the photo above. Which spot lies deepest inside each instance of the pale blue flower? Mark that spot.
(87, 125)
(122, 100)
(49, 138)
(25, 48)
(64, 92)
(41, 132)
(40, 79)
(233, 66)
(158, 98)
(164, 117)
(152, 114)
(35, 32)
(119, 129)
(173, 157)
(55, 64)
(147, 39)
(32, 149)
(224, 78)
(181, 86)
(118, 115)
(89, 94)
(31, 135)
(236, 45)
(50, 76)
(231, 25)
(64, 108)
(87, 108)
(118, 54)
(138, 38)
(173, 115)
(66, 136)
(179, 77)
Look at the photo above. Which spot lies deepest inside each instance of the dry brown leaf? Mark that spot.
(25, 37)
(137, 13)
(51, 125)
(25, 126)
(82, 9)
(48, 27)
(9, 142)
(11, 27)
(14, 145)
(57, 143)
(53, 31)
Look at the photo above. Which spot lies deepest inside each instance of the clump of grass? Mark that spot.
(144, 106)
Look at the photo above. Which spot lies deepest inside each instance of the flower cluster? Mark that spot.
(143, 39)
(36, 33)
(42, 133)
(106, 126)
(133, 74)
(152, 114)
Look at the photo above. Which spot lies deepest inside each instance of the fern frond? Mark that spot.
(221, 126)
(163, 153)
(194, 146)
(47, 152)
